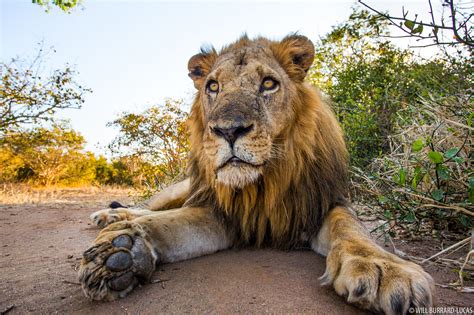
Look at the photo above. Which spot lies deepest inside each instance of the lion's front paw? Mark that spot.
(377, 280)
(114, 265)
(105, 217)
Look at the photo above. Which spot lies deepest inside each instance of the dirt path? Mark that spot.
(41, 247)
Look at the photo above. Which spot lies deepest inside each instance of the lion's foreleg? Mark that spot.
(364, 273)
(185, 233)
(126, 252)
(171, 197)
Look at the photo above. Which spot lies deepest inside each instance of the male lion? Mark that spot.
(268, 167)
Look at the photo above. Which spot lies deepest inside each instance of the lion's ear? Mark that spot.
(199, 66)
(295, 53)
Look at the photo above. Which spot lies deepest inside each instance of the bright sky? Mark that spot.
(135, 53)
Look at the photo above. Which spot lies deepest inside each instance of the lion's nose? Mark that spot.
(231, 134)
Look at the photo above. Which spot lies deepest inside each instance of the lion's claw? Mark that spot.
(111, 269)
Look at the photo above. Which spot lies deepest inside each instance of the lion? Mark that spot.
(268, 168)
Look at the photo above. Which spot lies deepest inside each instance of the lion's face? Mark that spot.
(245, 97)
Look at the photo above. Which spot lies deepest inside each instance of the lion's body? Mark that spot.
(268, 166)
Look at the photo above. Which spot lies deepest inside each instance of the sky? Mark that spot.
(133, 54)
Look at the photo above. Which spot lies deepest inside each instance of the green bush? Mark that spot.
(407, 123)
(371, 82)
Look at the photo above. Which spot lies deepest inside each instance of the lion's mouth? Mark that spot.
(236, 161)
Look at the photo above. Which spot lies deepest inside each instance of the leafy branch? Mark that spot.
(65, 5)
(27, 96)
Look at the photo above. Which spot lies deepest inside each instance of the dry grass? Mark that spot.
(23, 194)
(406, 188)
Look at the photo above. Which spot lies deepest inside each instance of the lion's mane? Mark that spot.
(298, 187)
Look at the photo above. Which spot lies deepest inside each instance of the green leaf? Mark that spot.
(418, 29)
(458, 160)
(437, 194)
(443, 172)
(417, 145)
(382, 199)
(388, 214)
(470, 118)
(402, 176)
(464, 220)
(417, 176)
(451, 153)
(410, 218)
(409, 24)
(435, 157)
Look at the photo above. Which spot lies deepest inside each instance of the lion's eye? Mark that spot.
(212, 86)
(269, 84)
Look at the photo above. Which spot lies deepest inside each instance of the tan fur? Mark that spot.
(268, 167)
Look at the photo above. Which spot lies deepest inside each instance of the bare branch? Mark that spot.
(458, 22)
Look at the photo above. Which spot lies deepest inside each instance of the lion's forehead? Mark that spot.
(245, 64)
(244, 54)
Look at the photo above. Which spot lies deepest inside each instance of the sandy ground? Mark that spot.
(41, 246)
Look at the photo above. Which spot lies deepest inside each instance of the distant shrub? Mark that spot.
(45, 156)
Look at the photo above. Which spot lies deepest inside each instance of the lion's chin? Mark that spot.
(238, 176)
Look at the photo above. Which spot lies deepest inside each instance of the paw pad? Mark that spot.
(122, 282)
(119, 261)
(123, 241)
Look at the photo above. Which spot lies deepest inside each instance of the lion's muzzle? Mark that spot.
(233, 133)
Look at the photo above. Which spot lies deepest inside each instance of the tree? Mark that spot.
(155, 142)
(46, 156)
(27, 96)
